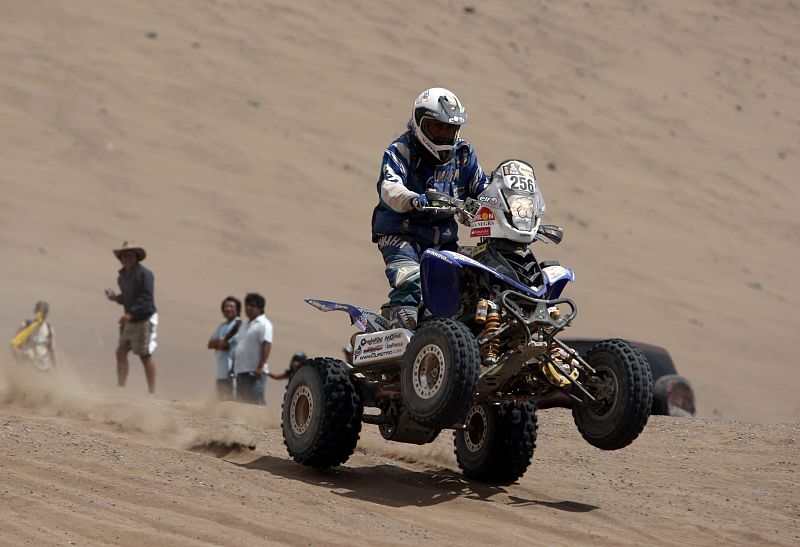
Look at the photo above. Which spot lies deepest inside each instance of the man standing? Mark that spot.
(253, 343)
(221, 341)
(139, 322)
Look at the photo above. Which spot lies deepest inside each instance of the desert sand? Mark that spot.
(239, 143)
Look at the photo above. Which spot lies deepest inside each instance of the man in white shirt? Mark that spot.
(253, 343)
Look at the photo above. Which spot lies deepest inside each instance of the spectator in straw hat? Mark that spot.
(137, 326)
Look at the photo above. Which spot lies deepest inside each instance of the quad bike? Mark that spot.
(484, 351)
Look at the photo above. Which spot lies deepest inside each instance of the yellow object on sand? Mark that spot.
(23, 335)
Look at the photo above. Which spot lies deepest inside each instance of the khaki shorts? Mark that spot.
(139, 338)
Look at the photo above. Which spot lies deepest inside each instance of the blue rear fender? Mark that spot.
(442, 273)
(364, 319)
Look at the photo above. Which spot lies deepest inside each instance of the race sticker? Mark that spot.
(380, 346)
(484, 214)
(554, 273)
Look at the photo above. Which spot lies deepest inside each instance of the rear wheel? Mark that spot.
(499, 441)
(440, 373)
(623, 392)
(321, 414)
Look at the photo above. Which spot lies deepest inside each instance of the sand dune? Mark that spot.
(239, 142)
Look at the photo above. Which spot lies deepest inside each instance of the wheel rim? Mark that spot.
(302, 409)
(475, 434)
(605, 389)
(428, 371)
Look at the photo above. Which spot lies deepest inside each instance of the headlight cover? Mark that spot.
(524, 209)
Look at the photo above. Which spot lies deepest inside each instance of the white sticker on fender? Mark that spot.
(380, 346)
(554, 273)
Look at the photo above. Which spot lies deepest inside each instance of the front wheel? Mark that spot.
(623, 392)
(440, 373)
(498, 442)
(321, 414)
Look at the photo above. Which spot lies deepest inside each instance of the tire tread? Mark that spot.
(340, 419)
(639, 399)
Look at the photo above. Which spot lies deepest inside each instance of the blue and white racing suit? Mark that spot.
(403, 233)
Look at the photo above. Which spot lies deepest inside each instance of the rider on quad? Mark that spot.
(428, 156)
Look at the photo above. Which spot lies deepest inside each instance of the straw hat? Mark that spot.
(128, 246)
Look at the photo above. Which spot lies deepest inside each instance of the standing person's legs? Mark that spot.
(149, 372)
(244, 387)
(225, 389)
(258, 390)
(144, 344)
(123, 348)
(122, 368)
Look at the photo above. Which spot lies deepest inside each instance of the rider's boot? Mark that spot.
(405, 317)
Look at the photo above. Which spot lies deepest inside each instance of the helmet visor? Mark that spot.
(440, 133)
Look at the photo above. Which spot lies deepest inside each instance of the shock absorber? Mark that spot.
(490, 349)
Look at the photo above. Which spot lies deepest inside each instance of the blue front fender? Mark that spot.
(442, 273)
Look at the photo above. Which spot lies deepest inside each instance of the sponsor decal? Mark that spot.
(439, 255)
(361, 323)
(442, 177)
(484, 214)
(488, 199)
(469, 260)
(554, 273)
(482, 223)
(526, 170)
(377, 346)
(518, 168)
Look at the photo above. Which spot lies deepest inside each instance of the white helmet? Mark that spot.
(438, 105)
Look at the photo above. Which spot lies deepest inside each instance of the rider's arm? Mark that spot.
(472, 174)
(394, 174)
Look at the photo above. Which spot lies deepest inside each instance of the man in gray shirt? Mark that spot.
(137, 326)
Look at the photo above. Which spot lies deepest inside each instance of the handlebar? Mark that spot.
(440, 202)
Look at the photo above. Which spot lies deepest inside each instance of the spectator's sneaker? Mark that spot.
(405, 317)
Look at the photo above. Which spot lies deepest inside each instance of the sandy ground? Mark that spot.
(239, 142)
(98, 468)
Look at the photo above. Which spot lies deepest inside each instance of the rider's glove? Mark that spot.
(419, 202)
